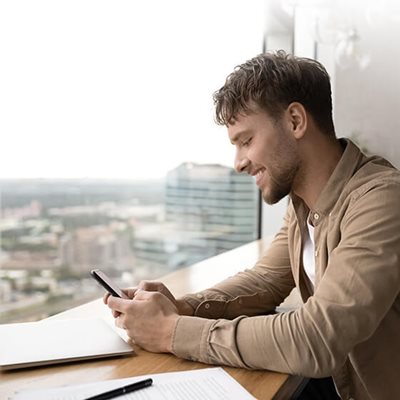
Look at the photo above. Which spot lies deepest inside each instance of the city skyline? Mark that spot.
(52, 233)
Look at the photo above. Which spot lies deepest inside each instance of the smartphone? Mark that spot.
(107, 283)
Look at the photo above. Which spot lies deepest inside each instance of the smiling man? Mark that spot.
(339, 245)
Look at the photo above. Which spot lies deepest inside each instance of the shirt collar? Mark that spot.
(348, 164)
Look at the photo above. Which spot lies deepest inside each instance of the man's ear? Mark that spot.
(297, 118)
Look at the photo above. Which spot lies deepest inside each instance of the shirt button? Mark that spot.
(199, 295)
(316, 253)
(316, 216)
(207, 306)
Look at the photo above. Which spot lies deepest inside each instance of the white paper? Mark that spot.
(202, 384)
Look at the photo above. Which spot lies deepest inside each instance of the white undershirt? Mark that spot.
(308, 253)
(309, 259)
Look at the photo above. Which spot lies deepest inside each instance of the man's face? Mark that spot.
(266, 149)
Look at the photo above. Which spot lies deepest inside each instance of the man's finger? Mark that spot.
(119, 323)
(118, 304)
(105, 297)
(144, 295)
(130, 292)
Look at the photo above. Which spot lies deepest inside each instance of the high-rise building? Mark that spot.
(209, 209)
(214, 202)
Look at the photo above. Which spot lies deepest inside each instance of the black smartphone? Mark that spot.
(107, 283)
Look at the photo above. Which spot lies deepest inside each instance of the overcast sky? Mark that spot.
(117, 89)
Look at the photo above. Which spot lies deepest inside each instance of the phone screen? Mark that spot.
(107, 283)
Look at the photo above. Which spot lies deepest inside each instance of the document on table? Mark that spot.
(201, 384)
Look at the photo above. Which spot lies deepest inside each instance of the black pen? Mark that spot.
(122, 390)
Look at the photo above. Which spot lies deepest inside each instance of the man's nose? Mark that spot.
(241, 163)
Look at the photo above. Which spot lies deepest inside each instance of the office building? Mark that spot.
(209, 209)
(213, 202)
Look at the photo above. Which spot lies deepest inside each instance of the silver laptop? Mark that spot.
(58, 341)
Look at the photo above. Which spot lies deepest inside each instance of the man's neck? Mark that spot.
(320, 158)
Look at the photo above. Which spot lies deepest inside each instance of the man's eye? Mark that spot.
(247, 142)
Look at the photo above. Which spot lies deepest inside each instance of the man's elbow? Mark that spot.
(319, 365)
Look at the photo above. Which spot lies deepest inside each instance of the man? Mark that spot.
(339, 245)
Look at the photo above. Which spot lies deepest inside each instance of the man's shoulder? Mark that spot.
(375, 173)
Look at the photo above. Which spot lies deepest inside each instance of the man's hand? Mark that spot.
(153, 286)
(149, 319)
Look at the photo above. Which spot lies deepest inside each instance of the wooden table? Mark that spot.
(261, 384)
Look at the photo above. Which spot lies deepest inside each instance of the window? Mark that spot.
(111, 158)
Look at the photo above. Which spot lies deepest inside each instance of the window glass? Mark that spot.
(111, 158)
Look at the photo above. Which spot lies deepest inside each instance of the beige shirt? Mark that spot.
(350, 326)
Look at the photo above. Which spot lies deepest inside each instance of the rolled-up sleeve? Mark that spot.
(254, 291)
(360, 284)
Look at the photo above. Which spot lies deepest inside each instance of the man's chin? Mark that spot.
(266, 195)
(270, 201)
(272, 197)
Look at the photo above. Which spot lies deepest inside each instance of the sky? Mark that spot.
(117, 89)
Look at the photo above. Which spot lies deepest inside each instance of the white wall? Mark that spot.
(367, 101)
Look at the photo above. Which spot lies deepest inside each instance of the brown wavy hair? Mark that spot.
(272, 81)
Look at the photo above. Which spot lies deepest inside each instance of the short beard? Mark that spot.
(282, 173)
(280, 189)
